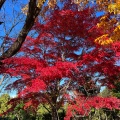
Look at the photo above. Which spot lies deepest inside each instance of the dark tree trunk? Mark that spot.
(55, 115)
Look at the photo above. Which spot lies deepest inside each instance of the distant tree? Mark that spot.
(106, 93)
(4, 103)
(116, 90)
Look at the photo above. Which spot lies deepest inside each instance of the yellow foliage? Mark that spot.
(39, 4)
(25, 9)
(109, 5)
(117, 28)
(115, 8)
(106, 24)
(107, 39)
(116, 33)
(52, 3)
(104, 40)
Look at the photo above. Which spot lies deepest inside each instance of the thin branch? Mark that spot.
(66, 86)
(6, 81)
(2, 79)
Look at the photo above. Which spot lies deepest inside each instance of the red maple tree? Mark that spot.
(61, 59)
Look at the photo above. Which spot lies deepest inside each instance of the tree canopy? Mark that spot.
(66, 52)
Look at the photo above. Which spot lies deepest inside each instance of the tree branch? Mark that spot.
(1, 3)
(2, 79)
(33, 12)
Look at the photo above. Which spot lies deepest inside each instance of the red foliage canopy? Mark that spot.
(62, 57)
(82, 106)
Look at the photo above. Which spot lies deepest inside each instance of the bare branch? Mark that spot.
(2, 79)
(5, 79)
(66, 86)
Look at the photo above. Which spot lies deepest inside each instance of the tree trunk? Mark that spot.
(55, 115)
(1, 3)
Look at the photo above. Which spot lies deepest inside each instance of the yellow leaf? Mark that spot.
(114, 7)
